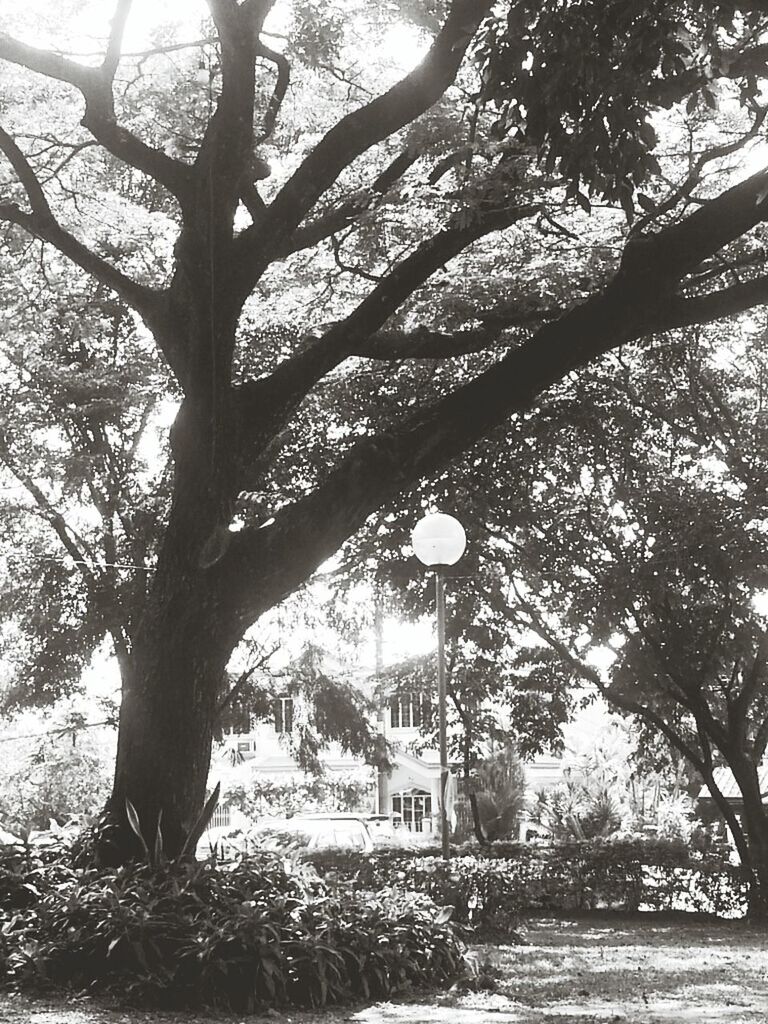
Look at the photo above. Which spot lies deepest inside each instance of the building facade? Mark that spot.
(409, 793)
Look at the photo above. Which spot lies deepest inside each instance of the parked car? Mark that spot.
(310, 832)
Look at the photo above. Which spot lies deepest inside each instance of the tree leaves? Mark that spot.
(580, 81)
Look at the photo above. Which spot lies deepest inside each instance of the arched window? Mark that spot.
(414, 807)
(405, 710)
(221, 817)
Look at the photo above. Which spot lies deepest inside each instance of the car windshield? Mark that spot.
(281, 837)
(340, 838)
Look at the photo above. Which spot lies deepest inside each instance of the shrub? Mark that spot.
(499, 786)
(238, 939)
(490, 887)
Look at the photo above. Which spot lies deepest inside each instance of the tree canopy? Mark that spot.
(350, 272)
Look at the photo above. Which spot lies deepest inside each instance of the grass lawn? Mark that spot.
(573, 971)
(641, 970)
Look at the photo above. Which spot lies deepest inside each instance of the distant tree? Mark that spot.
(645, 532)
(494, 698)
(501, 695)
(84, 462)
(56, 769)
(324, 710)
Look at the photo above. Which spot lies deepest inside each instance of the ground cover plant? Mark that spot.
(238, 938)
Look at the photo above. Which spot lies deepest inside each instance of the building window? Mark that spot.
(414, 807)
(220, 817)
(283, 709)
(405, 711)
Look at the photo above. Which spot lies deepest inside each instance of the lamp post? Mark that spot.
(438, 541)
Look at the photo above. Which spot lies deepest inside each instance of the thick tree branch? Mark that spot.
(425, 344)
(353, 135)
(292, 380)
(37, 199)
(753, 680)
(345, 215)
(95, 84)
(635, 304)
(761, 740)
(701, 309)
(115, 42)
(227, 144)
(272, 112)
(680, 248)
(733, 64)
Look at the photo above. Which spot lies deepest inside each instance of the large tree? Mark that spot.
(551, 113)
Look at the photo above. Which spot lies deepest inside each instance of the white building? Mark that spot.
(409, 793)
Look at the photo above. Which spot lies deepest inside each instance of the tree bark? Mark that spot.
(756, 833)
(165, 734)
(476, 822)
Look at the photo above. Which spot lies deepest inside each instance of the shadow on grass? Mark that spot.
(606, 958)
(667, 929)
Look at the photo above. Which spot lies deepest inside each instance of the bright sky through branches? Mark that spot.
(83, 32)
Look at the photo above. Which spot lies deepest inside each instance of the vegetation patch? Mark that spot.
(244, 938)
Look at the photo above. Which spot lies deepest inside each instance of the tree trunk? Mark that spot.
(165, 735)
(756, 829)
(476, 822)
(730, 818)
(180, 651)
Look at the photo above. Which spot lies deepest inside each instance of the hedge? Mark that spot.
(491, 887)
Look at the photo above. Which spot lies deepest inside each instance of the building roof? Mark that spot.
(727, 785)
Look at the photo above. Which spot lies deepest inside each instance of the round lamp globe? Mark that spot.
(438, 539)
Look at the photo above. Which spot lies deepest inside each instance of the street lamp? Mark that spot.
(439, 541)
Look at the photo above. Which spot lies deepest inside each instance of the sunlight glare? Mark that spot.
(84, 30)
(403, 47)
(754, 159)
(601, 658)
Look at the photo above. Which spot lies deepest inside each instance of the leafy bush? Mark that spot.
(499, 786)
(256, 796)
(239, 939)
(574, 809)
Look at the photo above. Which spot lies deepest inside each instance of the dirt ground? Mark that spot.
(572, 971)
